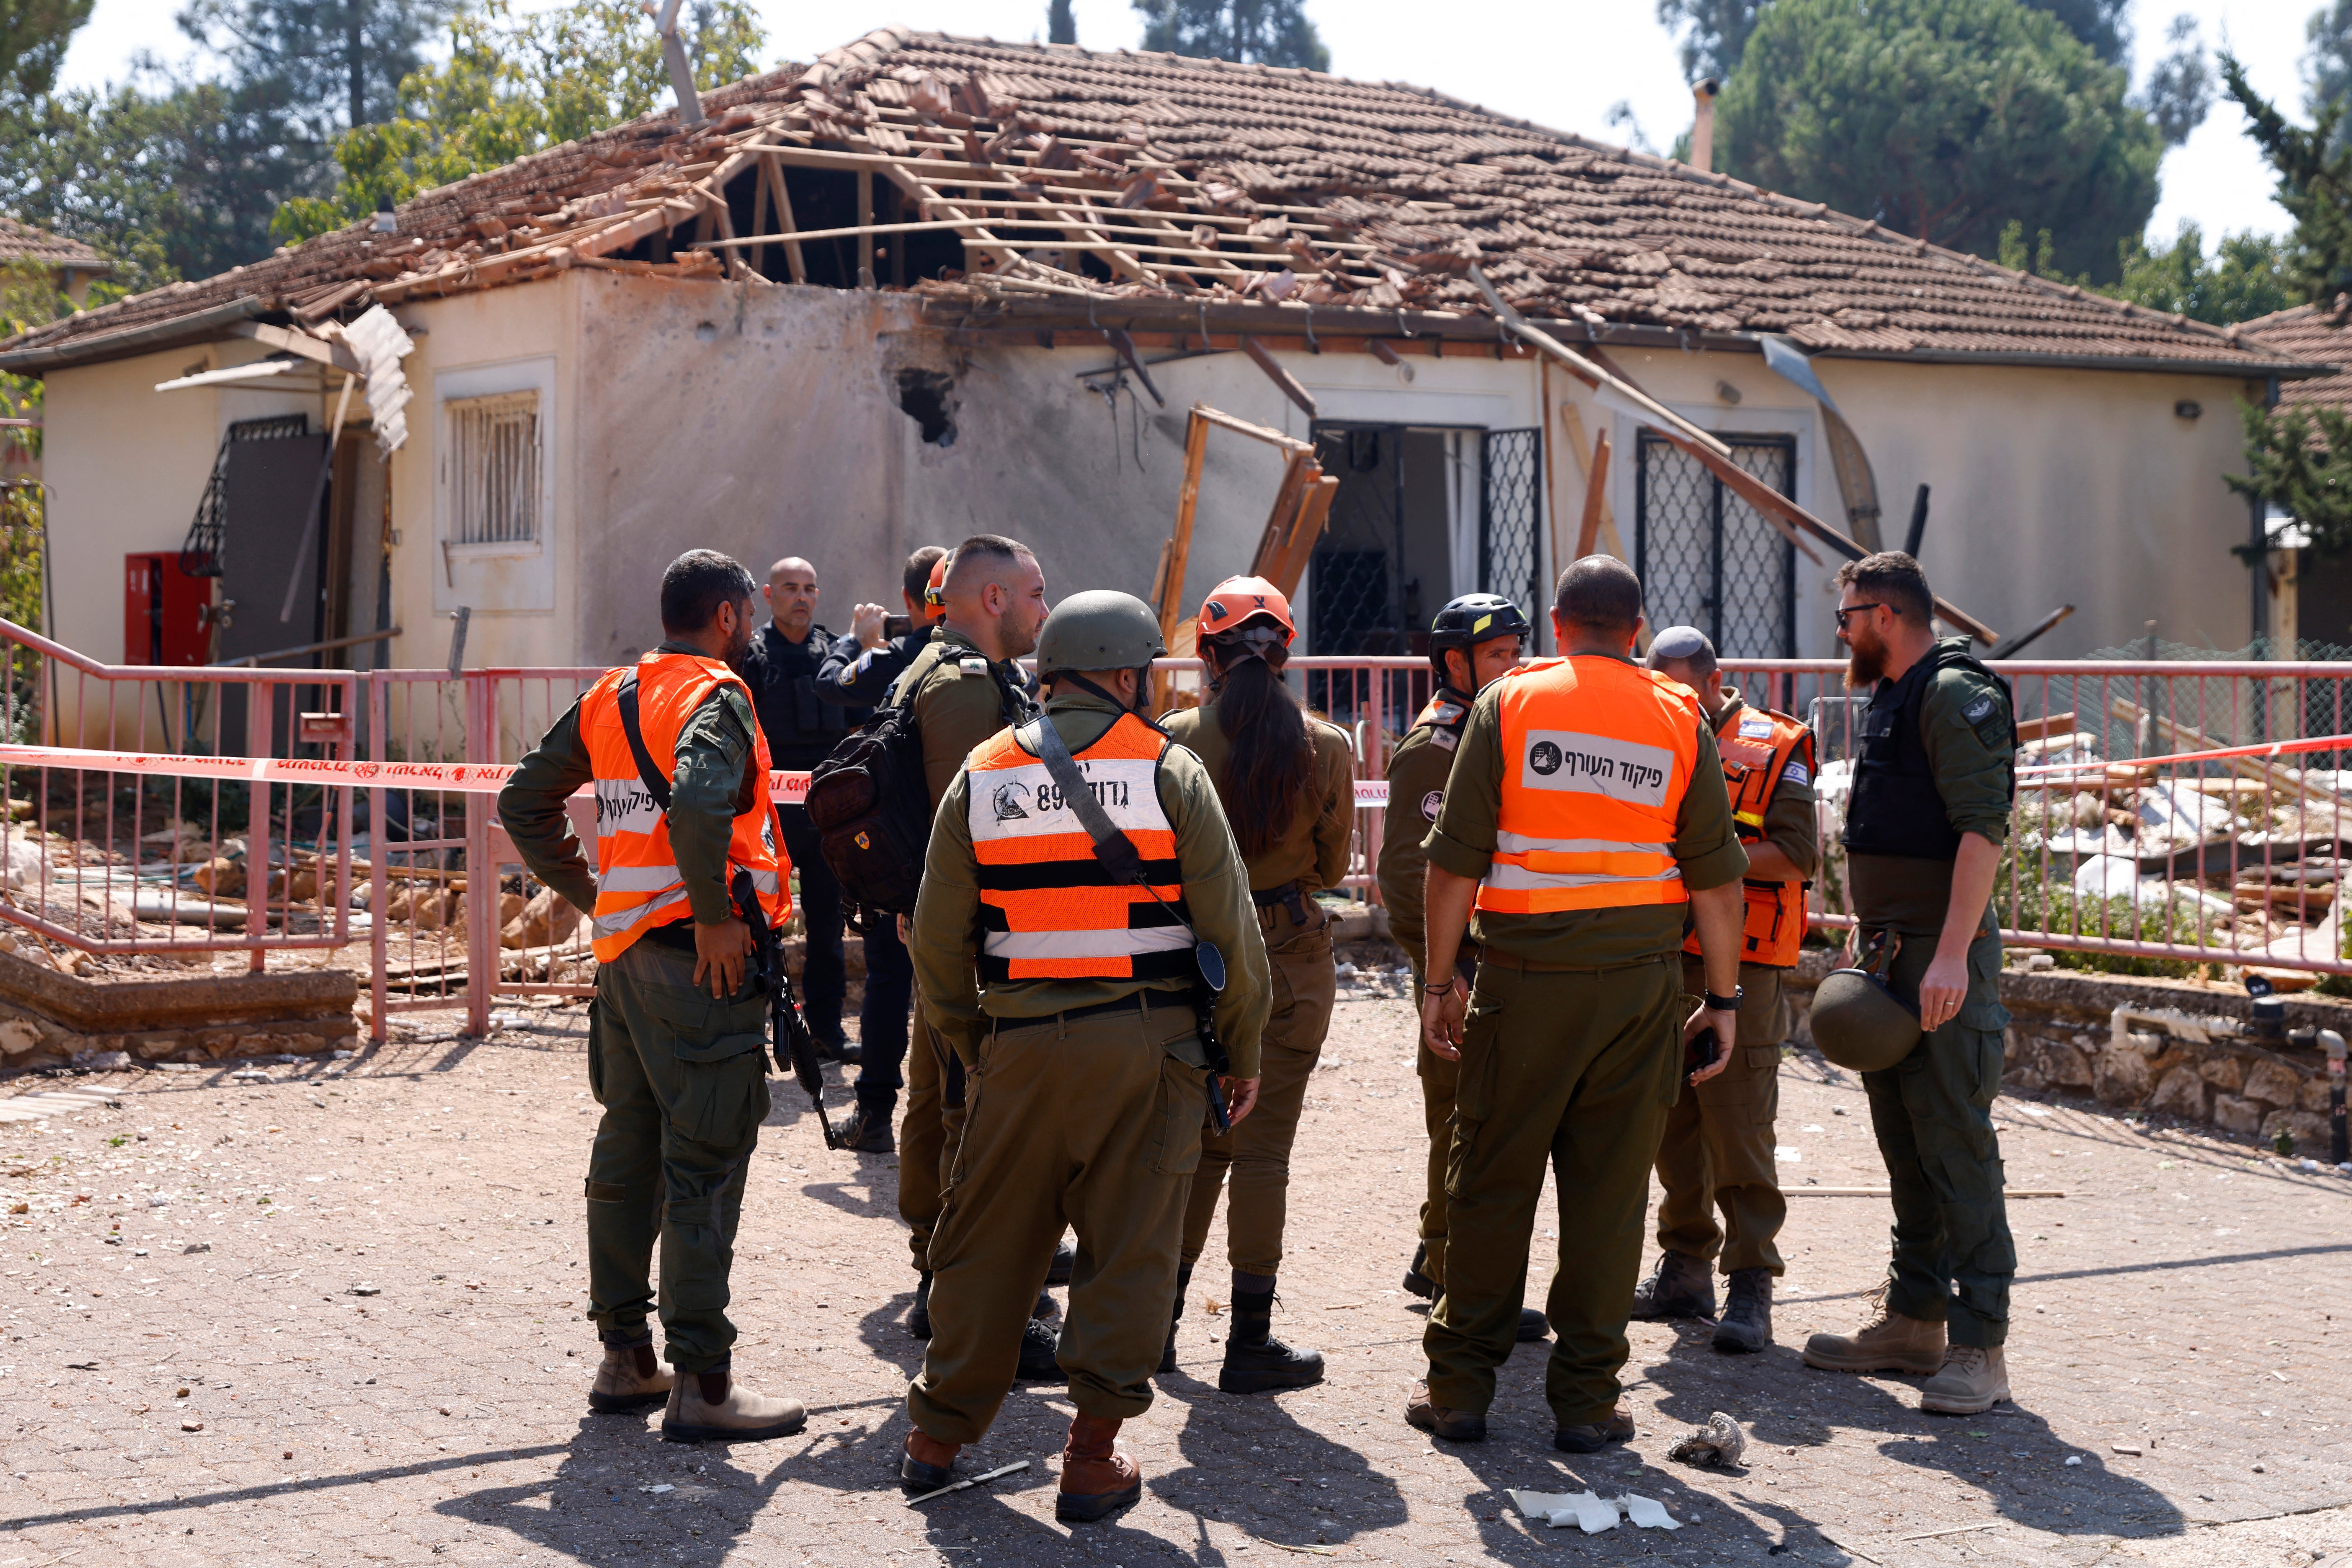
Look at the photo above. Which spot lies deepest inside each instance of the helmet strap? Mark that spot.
(1081, 683)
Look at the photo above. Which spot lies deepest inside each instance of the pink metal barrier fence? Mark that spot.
(2152, 863)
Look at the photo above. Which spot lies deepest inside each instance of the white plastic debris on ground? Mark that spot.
(1592, 1513)
(2116, 877)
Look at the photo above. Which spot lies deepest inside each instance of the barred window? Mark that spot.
(494, 457)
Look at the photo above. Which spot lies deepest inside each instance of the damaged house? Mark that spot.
(930, 286)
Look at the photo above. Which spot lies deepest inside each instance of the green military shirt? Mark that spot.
(717, 781)
(1791, 823)
(959, 702)
(1418, 770)
(1975, 773)
(1314, 853)
(1463, 841)
(946, 931)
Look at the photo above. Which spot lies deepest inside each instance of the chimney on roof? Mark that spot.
(1702, 147)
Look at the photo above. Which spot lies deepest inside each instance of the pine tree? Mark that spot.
(1267, 32)
(1061, 23)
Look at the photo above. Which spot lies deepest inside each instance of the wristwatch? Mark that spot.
(1726, 1004)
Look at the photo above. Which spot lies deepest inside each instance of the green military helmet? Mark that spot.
(1860, 1024)
(1099, 629)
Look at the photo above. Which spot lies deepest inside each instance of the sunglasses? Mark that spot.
(1855, 610)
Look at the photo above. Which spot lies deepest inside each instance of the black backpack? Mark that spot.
(872, 809)
(872, 812)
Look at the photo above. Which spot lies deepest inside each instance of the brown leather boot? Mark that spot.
(1886, 1342)
(712, 1407)
(1097, 1481)
(631, 1378)
(928, 1464)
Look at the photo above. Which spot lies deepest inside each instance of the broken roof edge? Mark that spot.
(1013, 313)
(895, 36)
(171, 332)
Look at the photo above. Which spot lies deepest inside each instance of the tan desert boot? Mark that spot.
(712, 1407)
(1974, 1379)
(1097, 1481)
(1886, 1342)
(632, 1378)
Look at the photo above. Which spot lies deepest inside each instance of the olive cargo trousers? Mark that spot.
(1953, 1258)
(926, 1137)
(1257, 1151)
(1093, 1123)
(1576, 1067)
(1718, 1147)
(1439, 1080)
(684, 1083)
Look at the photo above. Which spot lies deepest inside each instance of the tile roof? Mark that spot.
(1156, 178)
(23, 242)
(2312, 332)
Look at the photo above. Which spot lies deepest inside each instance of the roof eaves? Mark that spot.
(39, 359)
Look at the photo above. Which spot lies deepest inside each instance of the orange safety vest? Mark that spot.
(1762, 749)
(1049, 909)
(1597, 756)
(637, 881)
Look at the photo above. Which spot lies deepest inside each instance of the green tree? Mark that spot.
(177, 182)
(2245, 277)
(1944, 118)
(2315, 184)
(1713, 34)
(1268, 32)
(327, 65)
(2328, 56)
(515, 85)
(33, 39)
(1061, 23)
(2300, 460)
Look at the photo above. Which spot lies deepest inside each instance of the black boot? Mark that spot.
(1039, 1363)
(1257, 1362)
(1419, 1283)
(1065, 1258)
(919, 1316)
(1747, 1323)
(1183, 1283)
(1680, 1286)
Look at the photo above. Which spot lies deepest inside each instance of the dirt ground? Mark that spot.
(330, 1314)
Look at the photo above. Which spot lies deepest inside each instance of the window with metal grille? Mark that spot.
(1707, 559)
(494, 469)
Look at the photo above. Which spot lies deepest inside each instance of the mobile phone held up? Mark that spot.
(898, 625)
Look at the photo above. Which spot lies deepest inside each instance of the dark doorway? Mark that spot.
(1707, 558)
(273, 554)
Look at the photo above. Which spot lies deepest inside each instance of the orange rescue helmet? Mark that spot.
(935, 600)
(1239, 600)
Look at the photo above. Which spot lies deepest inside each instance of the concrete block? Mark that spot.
(2315, 1096)
(2274, 1083)
(18, 1038)
(2224, 1071)
(2065, 1065)
(2181, 1092)
(2232, 1114)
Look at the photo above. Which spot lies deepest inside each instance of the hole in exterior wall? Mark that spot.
(924, 397)
(706, 332)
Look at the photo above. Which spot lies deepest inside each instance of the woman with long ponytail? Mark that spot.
(1287, 784)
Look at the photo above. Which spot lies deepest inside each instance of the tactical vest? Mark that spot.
(638, 886)
(1759, 755)
(1048, 909)
(1597, 756)
(1895, 808)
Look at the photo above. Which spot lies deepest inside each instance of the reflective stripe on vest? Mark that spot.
(1597, 756)
(1049, 909)
(1757, 756)
(638, 885)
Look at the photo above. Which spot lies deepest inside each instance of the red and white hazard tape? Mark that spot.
(460, 778)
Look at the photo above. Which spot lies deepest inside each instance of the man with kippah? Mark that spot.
(1717, 1149)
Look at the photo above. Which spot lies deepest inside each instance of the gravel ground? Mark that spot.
(332, 1316)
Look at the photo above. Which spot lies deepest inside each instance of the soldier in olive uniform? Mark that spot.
(964, 685)
(1923, 836)
(1717, 1149)
(676, 1035)
(1474, 639)
(1087, 1068)
(1585, 815)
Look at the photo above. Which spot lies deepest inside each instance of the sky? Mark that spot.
(1561, 65)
